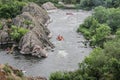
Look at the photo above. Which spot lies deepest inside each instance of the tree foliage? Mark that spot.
(90, 4)
(10, 8)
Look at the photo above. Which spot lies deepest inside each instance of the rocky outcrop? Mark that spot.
(48, 6)
(3, 36)
(36, 40)
(4, 31)
(9, 73)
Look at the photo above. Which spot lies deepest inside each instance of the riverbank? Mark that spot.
(66, 55)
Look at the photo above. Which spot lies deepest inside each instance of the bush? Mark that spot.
(57, 76)
(90, 4)
(10, 78)
(118, 33)
(18, 32)
(114, 19)
(10, 8)
(88, 28)
(86, 4)
(19, 73)
(100, 36)
(1, 26)
(101, 14)
(7, 69)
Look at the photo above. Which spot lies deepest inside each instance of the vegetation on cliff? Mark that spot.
(23, 22)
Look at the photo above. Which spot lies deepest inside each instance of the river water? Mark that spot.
(66, 55)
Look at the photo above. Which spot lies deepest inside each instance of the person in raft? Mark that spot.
(60, 38)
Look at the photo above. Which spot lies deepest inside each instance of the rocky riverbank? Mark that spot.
(9, 73)
(36, 40)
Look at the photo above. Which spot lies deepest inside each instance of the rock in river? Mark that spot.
(36, 40)
(48, 6)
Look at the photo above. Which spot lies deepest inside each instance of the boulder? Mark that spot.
(48, 6)
(3, 36)
(36, 40)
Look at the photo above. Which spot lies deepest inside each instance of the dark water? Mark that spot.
(66, 55)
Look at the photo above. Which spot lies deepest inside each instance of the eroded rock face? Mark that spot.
(48, 6)
(3, 31)
(37, 12)
(3, 36)
(36, 40)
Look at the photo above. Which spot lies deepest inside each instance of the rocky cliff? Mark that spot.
(36, 40)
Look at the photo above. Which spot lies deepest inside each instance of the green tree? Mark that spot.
(101, 14)
(10, 8)
(114, 19)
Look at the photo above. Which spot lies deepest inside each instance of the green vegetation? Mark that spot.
(102, 29)
(102, 24)
(71, 1)
(17, 32)
(102, 64)
(19, 73)
(1, 26)
(90, 4)
(10, 8)
(7, 69)
(27, 22)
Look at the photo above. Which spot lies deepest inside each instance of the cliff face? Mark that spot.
(9, 73)
(36, 40)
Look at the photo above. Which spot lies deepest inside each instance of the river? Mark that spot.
(66, 55)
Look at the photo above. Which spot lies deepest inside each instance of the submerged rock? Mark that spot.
(48, 6)
(36, 40)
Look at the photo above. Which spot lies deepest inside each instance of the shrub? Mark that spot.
(10, 78)
(18, 32)
(1, 26)
(118, 33)
(114, 19)
(88, 28)
(10, 8)
(7, 69)
(19, 73)
(100, 36)
(57, 76)
(27, 22)
(90, 4)
(101, 14)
